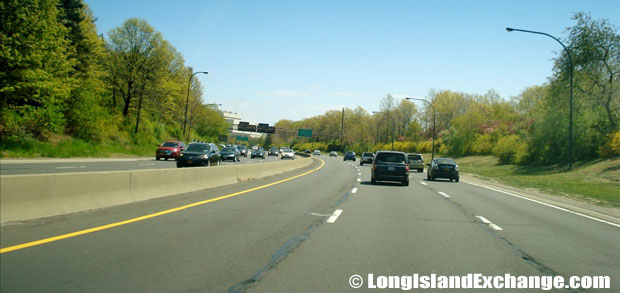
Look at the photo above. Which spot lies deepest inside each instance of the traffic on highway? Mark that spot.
(317, 227)
(309, 146)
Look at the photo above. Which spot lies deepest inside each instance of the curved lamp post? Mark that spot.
(570, 121)
(187, 100)
(434, 123)
(390, 117)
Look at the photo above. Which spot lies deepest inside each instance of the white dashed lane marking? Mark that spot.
(334, 217)
(484, 220)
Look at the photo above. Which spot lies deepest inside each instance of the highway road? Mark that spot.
(48, 166)
(308, 230)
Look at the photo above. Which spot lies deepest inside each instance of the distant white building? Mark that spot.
(233, 120)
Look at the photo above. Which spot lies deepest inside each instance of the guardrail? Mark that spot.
(24, 197)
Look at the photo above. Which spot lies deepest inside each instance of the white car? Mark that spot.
(287, 153)
(317, 153)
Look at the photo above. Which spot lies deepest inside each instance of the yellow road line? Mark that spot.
(153, 215)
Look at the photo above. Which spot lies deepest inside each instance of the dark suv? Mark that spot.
(443, 168)
(199, 154)
(349, 156)
(390, 166)
(367, 158)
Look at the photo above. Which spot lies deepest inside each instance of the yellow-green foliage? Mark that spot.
(482, 145)
(509, 148)
(424, 147)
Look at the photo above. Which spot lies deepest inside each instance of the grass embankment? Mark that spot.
(596, 181)
(67, 147)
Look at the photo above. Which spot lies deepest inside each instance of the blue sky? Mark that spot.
(272, 60)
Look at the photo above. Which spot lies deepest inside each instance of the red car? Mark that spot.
(169, 149)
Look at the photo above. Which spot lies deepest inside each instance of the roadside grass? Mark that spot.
(69, 148)
(597, 181)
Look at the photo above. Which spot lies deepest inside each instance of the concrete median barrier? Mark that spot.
(24, 197)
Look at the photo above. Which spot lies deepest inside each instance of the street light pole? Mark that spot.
(434, 123)
(189, 83)
(570, 62)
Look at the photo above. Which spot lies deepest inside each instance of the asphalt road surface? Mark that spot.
(307, 234)
(47, 166)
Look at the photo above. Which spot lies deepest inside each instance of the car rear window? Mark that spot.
(415, 157)
(446, 162)
(391, 158)
(228, 149)
(367, 155)
(170, 144)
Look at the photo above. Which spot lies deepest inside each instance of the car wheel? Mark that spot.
(451, 179)
(457, 179)
(166, 158)
(179, 166)
(406, 183)
(373, 181)
(361, 164)
(157, 158)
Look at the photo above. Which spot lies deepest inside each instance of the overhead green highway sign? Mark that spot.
(304, 132)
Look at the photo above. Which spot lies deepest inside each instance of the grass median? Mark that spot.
(597, 181)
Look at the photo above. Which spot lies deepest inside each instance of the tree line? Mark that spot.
(531, 128)
(59, 77)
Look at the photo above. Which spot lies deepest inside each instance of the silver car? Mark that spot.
(287, 153)
(416, 162)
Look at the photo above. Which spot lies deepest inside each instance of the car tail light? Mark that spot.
(407, 167)
(374, 167)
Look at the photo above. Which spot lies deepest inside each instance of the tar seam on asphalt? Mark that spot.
(283, 251)
(545, 270)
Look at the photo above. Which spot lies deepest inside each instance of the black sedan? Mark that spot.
(443, 168)
(230, 153)
(199, 154)
(259, 153)
(390, 166)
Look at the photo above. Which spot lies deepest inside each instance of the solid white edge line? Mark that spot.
(545, 204)
(423, 183)
(354, 190)
(443, 194)
(334, 217)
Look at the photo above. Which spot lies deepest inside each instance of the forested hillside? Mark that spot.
(62, 82)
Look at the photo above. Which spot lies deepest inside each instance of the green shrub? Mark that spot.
(506, 147)
(483, 145)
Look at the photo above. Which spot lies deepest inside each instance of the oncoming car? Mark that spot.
(287, 153)
(443, 168)
(169, 149)
(230, 153)
(259, 152)
(199, 154)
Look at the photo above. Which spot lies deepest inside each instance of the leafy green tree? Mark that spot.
(34, 67)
